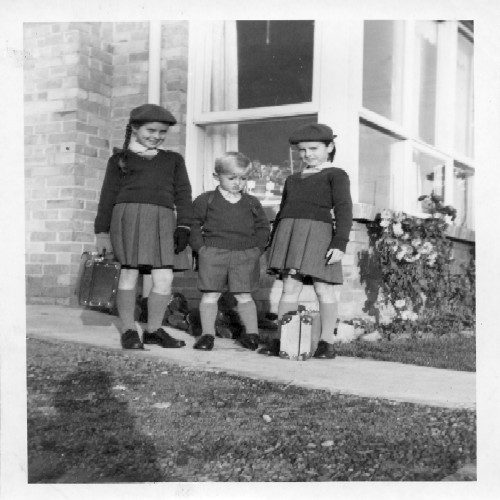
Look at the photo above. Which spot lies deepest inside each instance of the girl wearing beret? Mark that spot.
(142, 187)
(307, 246)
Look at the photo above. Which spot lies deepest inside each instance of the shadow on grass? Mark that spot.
(89, 436)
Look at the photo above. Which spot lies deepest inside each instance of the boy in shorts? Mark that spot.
(230, 233)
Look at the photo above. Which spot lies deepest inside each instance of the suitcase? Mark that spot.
(299, 335)
(98, 281)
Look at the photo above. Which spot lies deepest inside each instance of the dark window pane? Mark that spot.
(266, 144)
(275, 62)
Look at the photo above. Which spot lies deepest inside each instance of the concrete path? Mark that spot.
(380, 379)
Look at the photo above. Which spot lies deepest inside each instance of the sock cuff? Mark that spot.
(246, 305)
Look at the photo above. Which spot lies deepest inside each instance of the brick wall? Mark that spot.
(81, 82)
(67, 98)
(130, 43)
(174, 76)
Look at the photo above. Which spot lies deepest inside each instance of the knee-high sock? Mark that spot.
(208, 314)
(329, 314)
(157, 305)
(248, 315)
(125, 303)
(284, 307)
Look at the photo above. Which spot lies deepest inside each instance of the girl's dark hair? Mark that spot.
(331, 155)
(122, 155)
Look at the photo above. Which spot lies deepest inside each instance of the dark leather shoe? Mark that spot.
(250, 341)
(130, 340)
(272, 348)
(149, 338)
(165, 340)
(204, 343)
(325, 350)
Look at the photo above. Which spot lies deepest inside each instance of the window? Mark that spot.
(272, 160)
(256, 64)
(463, 186)
(398, 93)
(257, 87)
(425, 72)
(464, 123)
(382, 68)
(380, 154)
(416, 120)
(428, 172)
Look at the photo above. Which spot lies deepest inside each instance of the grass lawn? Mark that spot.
(109, 416)
(457, 353)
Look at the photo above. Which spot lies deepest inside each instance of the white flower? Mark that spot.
(408, 316)
(386, 214)
(426, 248)
(410, 258)
(431, 259)
(400, 303)
(397, 229)
(385, 222)
(401, 254)
(416, 242)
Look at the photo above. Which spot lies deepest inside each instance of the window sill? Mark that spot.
(364, 212)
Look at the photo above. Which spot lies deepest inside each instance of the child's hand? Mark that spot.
(334, 255)
(103, 243)
(181, 239)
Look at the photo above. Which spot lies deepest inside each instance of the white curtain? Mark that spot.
(221, 93)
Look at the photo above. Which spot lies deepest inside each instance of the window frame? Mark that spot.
(444, 147)
(337, 99)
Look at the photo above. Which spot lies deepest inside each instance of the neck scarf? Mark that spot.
(319, 168)
(141, 150)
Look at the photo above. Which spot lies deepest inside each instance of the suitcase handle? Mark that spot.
(109, 256)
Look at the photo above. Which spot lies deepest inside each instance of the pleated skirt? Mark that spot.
(143, 235)
(300, 246)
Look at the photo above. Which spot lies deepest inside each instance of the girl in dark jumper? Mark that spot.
(230, 231)
(136, 221)
(305, 246)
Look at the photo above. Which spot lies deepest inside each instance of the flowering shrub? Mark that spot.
(415, 260)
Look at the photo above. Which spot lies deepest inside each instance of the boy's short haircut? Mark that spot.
(231, 159)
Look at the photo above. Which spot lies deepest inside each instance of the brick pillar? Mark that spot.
(67, 99)
(174, 63)
(130, 74)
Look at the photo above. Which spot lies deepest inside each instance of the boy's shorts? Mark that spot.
(235, 270)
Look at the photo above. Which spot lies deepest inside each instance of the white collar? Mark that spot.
(232, 198)
(318, 168)
(141, 150)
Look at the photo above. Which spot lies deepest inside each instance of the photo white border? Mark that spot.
(486, 16)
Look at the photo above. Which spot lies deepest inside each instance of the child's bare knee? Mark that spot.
(128, 279)
(210, 297)
(243, 298)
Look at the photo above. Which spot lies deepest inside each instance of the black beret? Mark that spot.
(152, 113)
(314, 132)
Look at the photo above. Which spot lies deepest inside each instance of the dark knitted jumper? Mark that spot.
(232, 226)
(161, 180)
(314, 196)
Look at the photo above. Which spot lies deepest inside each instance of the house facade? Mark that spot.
(398, 94)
